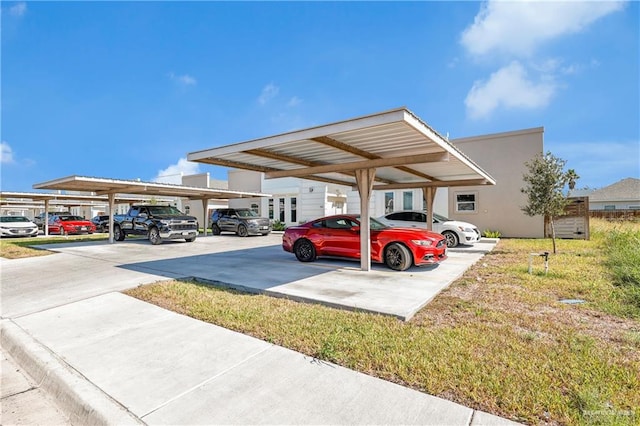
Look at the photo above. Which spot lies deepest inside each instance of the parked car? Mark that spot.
(101, 222)
(17, 226)
(40, 220)
(339, 236)
(157, 222)
(242, 222)
(454, 231)
(69, 224)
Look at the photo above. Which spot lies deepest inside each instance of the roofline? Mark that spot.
(499, 135)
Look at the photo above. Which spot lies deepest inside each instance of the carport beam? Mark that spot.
(112, 206)
(364, 180)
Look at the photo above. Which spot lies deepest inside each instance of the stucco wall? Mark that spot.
(502, 155)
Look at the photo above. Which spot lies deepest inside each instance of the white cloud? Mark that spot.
(173, 174)
(520, 27)
(185, 79)
(269, 92)
(6, 153)
(18, 9)
(509, 87)
(295, 101)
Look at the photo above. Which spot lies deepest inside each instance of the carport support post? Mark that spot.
(429, 193)
(205, 214)
(364, 180)
(45, 219)
(112, 206)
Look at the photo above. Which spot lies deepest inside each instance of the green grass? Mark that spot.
(15, 248)
(497, 340)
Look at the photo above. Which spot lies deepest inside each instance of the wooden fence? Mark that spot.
(615, 214)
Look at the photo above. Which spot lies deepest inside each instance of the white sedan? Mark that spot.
(17, 226)
(454, 231)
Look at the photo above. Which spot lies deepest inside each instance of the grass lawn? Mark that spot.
(15, 248)
(497, 340)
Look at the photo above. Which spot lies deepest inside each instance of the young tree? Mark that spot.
(544, 185)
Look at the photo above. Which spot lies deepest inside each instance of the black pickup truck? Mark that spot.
(157, 222)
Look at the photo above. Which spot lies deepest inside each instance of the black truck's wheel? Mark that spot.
(118, 233)
(190, 240)
(215, 229)
(154, 236)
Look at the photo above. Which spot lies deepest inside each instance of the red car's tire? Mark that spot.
(304, 251)
(398, 257)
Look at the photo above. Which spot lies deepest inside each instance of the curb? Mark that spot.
(82, 401)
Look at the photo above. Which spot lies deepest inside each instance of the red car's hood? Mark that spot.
(76, 222)
(411, 233)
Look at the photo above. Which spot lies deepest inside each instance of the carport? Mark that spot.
(114, 188)
(389, 150)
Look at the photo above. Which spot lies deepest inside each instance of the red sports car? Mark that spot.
(68, 224)
(339, 236)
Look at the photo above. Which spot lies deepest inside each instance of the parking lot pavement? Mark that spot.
(259, 264)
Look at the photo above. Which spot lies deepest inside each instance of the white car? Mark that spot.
(17, 226)
(454, 231)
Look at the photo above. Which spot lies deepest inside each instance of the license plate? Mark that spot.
(186, 233)
(83, 228)
(265, 227)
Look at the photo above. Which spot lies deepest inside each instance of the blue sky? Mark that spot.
(126, 89)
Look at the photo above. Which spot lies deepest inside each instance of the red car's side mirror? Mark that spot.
(355, 229)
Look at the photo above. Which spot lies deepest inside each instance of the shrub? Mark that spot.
(491, 234)
(276, 225)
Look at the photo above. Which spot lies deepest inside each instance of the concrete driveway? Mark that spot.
(256, 264)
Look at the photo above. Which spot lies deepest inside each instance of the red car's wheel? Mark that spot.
(398, 257)
(305, 251)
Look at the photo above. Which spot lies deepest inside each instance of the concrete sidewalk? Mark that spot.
(113, 359)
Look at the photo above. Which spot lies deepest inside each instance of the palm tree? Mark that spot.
(572, 177)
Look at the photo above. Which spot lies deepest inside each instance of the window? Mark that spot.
(255, 209)
(466, 202)
(634, 207)
(270, 208)
(281, 210)
(610, 207)
(294, 216)
(388, 202)
(407, 200)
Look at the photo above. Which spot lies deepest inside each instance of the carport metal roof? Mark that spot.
(384, 151)
(112, 187)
